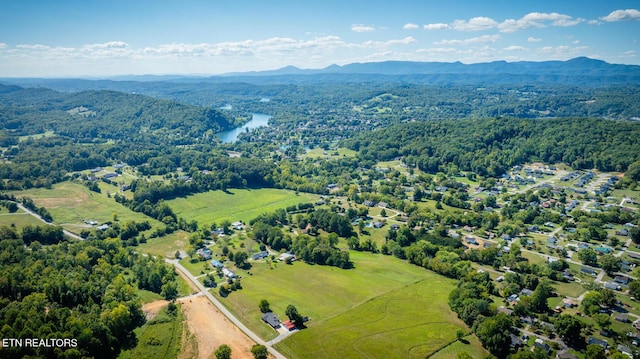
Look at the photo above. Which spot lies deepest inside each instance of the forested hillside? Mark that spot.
(96, 116)
(85, 291)
(490, 147)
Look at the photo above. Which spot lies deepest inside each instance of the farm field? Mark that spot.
(379, 287)
(71, 203)
(235, 204)
(409, 322)
(18, 219)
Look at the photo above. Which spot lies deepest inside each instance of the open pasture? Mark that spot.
(235, 204)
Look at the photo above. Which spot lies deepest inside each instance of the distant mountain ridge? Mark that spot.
(580, 71)
(576, 66)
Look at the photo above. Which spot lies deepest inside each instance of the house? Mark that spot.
(568, 275)
(504, 310)
(378, 224)
(103, 227)
(634, 255)
(622, 318)
(612, 285)
(237, 226)
(588, 270)
(621, 279)
(565, 355)
(284, 256)
(600, 342)
(539, 343)
(110, 175)
(383, 205)
(625, 350)
(622, 232)
(471, 240)
(216, 264)
(526, 292)
(271, 319)
(205, 254)
(569, 303)
(228, 273)
(260, 255)
(369, 203)
(516, 342)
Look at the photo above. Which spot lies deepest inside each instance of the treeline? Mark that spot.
(489, 147)
(82, 290)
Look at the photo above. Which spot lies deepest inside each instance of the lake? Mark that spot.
(257, 120)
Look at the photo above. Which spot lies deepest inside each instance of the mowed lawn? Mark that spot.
(383, 305)
(409, 322)
(235, 204)
(71, 203)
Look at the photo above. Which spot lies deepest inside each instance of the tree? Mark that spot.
(494, 332)
(588, 256)
(634, 233)
(602, 319)
(293, 315)
(223, 352)
(594, 351)
(609, 263)
(259, 351)
(569, 328)
(634, 288)
(539, 297)
(264, 306)
(240, 259)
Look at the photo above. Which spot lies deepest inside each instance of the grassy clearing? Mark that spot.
(326, 294)
(236, 204)
(166, 246)
(70, 203)
(470, 344)
(158, 338)
(18, 219)
(409, 322)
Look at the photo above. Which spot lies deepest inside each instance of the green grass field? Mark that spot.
(158, 338)
(409, 322)
(381, 299)
(166, 246)
(70, 203)
(236, 204)
(18, 219)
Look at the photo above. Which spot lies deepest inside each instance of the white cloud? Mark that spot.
(515, 48)
(33, 47)
(362, 28)
(437, 26)
(380, 44)
(533, 39)
(410, 26)
(538, 19)
(622, 15)
(474, 40)
(474, 24)
(2, 45)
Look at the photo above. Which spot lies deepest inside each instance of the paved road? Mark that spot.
(226, 312)
(32, 213)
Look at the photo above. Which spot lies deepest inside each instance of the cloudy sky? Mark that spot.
(62, 38)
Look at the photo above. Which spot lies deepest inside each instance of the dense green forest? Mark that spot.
(490, 147)
(84, 290)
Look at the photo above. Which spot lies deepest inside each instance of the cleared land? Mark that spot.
(212, 329)
(409, 322)
(384, 305)
(235, 204)
(71, 203)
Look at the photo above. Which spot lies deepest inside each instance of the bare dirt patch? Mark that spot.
(152, 309)
(212, 329)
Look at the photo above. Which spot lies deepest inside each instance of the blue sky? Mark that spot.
(43, 38)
